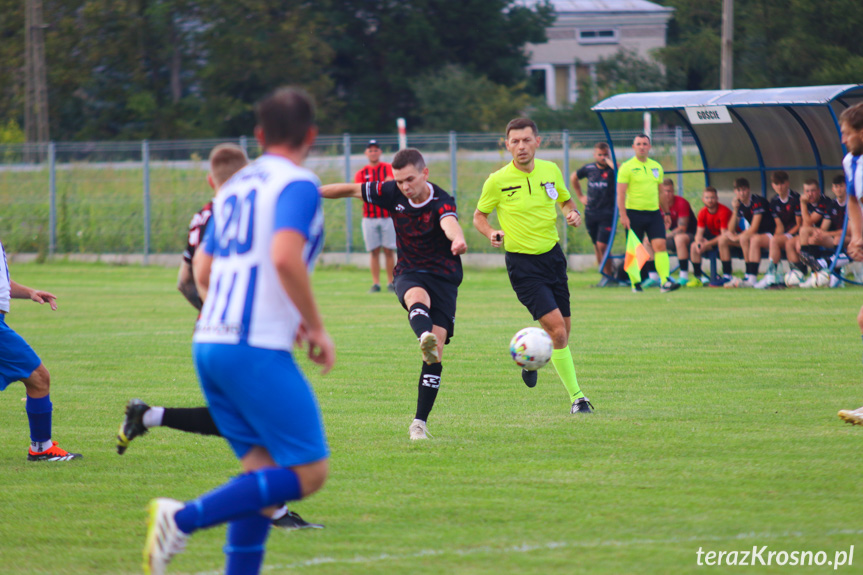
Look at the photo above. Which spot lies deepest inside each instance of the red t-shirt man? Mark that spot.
(379, 234)
(380, 172)
(715, 222)
(712, 219)
(680, 208)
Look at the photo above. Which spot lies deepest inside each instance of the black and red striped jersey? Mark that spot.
(196, 231)
(371, 173)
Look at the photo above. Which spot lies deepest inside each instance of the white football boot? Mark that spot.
(164, 538)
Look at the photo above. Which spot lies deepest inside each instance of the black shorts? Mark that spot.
(643, 222)
(540, 281)
(599, 226)
(442, 293)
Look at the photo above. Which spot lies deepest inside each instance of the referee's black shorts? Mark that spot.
(442, 293)
(540, 281)
(648, 222)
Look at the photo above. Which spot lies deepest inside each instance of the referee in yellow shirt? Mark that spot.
(638, 182)
(524, 193)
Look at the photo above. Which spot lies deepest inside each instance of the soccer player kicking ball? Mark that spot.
(18, 362)
(851, 124)
(525, 193)
(428, 272)
(252, 271)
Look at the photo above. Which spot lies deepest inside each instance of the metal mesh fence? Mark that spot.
(138, 197)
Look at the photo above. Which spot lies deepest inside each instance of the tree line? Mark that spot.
(165, 69)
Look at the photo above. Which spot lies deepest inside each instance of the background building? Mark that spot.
(587, 30)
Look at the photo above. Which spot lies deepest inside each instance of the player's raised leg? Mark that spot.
(141, 417)
(275, 395)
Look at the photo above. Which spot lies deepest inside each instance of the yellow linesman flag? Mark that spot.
(636, 257)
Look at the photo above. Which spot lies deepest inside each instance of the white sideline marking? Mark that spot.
(527, 548)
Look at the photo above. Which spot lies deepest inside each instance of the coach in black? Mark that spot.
(428, 273)
(598, 203)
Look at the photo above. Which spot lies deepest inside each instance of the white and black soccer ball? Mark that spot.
(793, 278)
(822, 278)
(531, 348)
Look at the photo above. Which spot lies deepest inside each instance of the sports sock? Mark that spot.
(428, 388)
(280, 512)
(562, 360)
(684, 275)
(191, 419)
(419, 317)
(771, 269)
(663, 266)
(153, 417)
(696, 269)
(241, 497)
(804, 269)
(245, 547)
(726, 268)
(39, 415)
(684, 266)
(752, 268)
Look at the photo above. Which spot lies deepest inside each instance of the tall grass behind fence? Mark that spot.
(107, 199)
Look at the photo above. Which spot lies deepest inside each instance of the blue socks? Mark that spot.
(241, 498)
(39, 414)
(245, 548)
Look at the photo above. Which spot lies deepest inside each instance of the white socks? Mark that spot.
(153, 417)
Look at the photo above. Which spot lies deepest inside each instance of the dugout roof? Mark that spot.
(750, 133)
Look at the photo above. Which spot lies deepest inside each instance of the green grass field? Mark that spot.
(715, 427)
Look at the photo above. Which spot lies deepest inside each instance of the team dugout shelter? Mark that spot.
(751, 133)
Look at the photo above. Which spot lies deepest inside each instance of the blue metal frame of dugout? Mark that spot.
(790, 129)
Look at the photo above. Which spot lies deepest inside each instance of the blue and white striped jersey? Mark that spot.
(853, 175)
(246, 303)
(5, 282)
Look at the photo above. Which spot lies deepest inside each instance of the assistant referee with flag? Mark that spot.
(524, 193)
(638, 204)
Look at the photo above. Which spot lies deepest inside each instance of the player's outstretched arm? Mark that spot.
(286, 252)
(336, 191)
(19, 291)
(186, 285)
(455, 234)
(480, 222)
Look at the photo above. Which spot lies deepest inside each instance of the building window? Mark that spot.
(598, 36)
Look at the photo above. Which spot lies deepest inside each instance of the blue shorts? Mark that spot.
(260, 397)
(17, 359)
